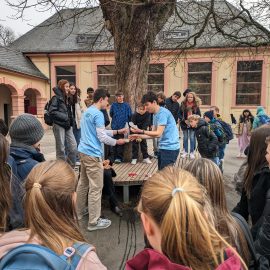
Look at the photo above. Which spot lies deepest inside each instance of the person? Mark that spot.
(3, 128)
(216, 127)
(91, 152)
(216, 111)
(50, 214)
(142, 119)
(120, 113)
(210, 176)
(178, 223)
(172, 104)
(89, 99)
(261, 118)
(186, 92)
(243, 131)
(25, 133)
(161, 99)
(256, 181)
(60, 112)
(164, 127)
(207, 140)
(5, 187)
(190, 105)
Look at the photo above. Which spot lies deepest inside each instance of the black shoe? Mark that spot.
(117, 211)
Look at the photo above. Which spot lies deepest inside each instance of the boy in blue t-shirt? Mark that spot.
(120, 113)
(164, 127)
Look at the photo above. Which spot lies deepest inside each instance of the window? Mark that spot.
(249, 82)
(66, 73)
(200, 80)
(156, 77)
(106, 78)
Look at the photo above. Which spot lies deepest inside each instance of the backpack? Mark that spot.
(47, 118)
(227, 130)
(36, 257)
(264, 119)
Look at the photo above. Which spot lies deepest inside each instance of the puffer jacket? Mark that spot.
(173, 107)
(183, 115)
(60, 110)
(207, 140)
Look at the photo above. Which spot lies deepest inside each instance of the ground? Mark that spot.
(124, 238)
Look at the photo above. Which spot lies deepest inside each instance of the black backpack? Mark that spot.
(47, 118)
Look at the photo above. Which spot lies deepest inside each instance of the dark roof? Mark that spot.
(82, 30)
(13, 60)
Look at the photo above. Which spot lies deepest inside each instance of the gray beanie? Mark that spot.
(26, 129)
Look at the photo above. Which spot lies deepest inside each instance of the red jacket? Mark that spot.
(150, 259)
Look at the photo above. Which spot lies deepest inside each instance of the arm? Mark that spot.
(255, 123)
(129, 112)
(242, 207)
(111, 110)
(104, 137)
(147, 134)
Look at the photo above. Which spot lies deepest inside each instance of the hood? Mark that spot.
(201, 123)
(19, 153)
(260, 110)
(58, 92)
(150, 259)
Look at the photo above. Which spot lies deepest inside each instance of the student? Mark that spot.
(207, 140)
(50, 214)
(161, 99)
(243, 131)
(89, 100)
(217, 115)
(210, 176)
(178, 224)
(60, 112)
(256, 181)
(164, 127)
(216, 127)
(261, 118)
(190, 106)
(142, 119)
(120, 113)
(91, 152)
(173, 105)
(3, 127)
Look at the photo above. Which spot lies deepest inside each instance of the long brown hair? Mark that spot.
(197, 100)
(50, 207)
(188, 235)
(209, 175)
(256, 155)
(5, 178)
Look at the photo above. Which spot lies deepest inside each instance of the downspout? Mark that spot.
(50, 79)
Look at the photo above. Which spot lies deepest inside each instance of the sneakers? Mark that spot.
(84, 213)
(78, 163)
(184, 155)
(192, 156)
(117, 161)
(102, 223)
(133, 161)
(147, 161)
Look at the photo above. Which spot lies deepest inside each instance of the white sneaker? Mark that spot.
(78, 163)
(102, 223)
(133, 161)
(147, 161)
(192, 156)
(184, 155)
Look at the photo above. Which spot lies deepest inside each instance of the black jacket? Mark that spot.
(143, 121)
(106, 117)
(254, 206)
(60, 111)
(183, 115)
(207, 140)
(173, 107)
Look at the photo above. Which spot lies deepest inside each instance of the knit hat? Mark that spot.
(209, 114)
(26, 129)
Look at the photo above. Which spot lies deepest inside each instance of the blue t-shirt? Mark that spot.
(169, 140)
(89, 143)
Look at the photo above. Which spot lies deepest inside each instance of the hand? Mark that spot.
(136, 131)
(107, 167)
(120, 141)
(134, 137)
(123, 131)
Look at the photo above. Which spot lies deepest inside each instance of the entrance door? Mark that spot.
(6, 114)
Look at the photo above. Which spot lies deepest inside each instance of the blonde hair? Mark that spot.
(197, 100)
(188, 235)
(50, 207)
(209, 175)
(194, 117)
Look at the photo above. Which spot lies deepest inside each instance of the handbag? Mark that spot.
(257, 262)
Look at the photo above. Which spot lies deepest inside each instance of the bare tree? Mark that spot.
(7, 35)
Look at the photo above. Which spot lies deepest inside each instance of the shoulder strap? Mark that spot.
(52, 259)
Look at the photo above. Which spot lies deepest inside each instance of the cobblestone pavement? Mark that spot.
(122, 239)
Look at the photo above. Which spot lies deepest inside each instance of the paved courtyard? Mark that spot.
(125, 236)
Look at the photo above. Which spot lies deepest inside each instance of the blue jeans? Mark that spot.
(189, 135)
(215, 160)
(221, 150)
(166, 158)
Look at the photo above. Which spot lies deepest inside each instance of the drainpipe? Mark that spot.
(50, 79)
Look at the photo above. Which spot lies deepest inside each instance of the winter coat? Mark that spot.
(255, 205)
(120, 114)
(143, 121)
(60, 110)
(262, 243)
(207, 140)
(240, 126)
(150, 259)
(183, 114)
(21, 161)
(216, 127)
(173, 107)
(257, 122)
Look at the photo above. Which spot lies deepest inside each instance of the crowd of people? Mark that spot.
(184, 213)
